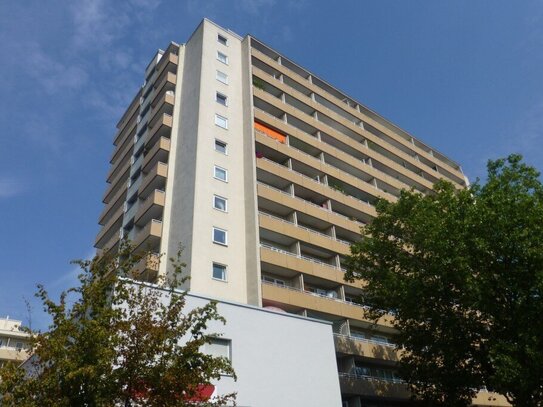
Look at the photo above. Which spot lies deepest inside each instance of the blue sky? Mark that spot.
(464, 76)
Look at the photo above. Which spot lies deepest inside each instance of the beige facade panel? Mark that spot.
(129, 117)
(373, 388)
(163, 125)
(295, 232)
(349, 346)
(159, 152)
(112, 206)
(118, 183)
(317, 90)
(113, 223)
(156, 176)
(147, 268)
(152, 207)
(121, 151)
(13, 354)
(300, 205)
(324, 190)
(304, 266)
(300, 299)
(485, 398)
(149, 236)
(165, 102)
(322, 167)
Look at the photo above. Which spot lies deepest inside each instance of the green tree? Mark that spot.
(113, 342)
(461, 271)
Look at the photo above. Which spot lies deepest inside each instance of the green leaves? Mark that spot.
(113, 342)
(462, 272)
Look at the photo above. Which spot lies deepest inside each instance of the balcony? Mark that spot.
(303, 264)
(166, 82)
(147, 268)
(164, 105)
(161, 128)
(319, 188)
(155, 179)
(110, 228)
(118, 182)
(334, 102)
(158, 152)
(368, 348)
(148, 238)
(151, 208)
(369, 386)
(9, 353)
(285, 227)
(112, 206)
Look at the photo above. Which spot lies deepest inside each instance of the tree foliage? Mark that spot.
(461, 271)
(113, 342)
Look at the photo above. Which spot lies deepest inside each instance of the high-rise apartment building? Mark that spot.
(265, 174)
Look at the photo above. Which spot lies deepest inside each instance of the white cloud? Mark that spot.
(10, 187)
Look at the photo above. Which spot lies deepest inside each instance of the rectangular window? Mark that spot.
(220, 146)
(220, 203)
(222, 39)
(18, 345)
(221, 99)
(221, 121)
(220, 236)
(222, 77)
(219, 347)
(220, 174)
(222, 57)
(219, 271)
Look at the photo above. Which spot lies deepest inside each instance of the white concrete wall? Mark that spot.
(280, 359)
(189, 213)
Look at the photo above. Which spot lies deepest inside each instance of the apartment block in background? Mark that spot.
(265, 174)
(13, 341)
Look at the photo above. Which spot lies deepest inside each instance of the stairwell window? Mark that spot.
(221, 146)
(219, 272)
(221, 39)
(220, 203)
(222, 57)
(220, 236)
(221, 121)
(221, 99)
(222, 77)
(220, 173)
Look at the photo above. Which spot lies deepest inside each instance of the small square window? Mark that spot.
(219, 271)
(221, 99)
(222, 39)
(220, 203)
(220, 146)
(221, 121)
(222, 77)
(220, 174)
(219, 347)
(222, 57)
(220, 236)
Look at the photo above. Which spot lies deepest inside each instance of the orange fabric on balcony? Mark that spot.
(271, 133)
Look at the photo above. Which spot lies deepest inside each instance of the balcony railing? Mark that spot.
(366, 340)
(310, 203)
(304, 228)
(349, 175)
(301, 256)
(312, 293)
(337, 150)
(371, 378)
(314, 180)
